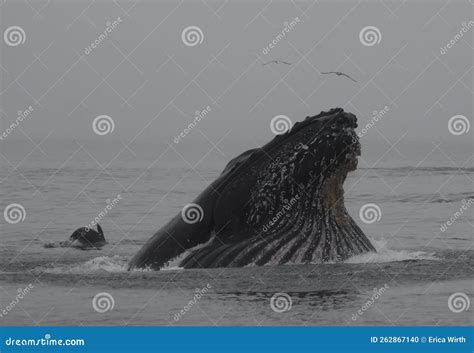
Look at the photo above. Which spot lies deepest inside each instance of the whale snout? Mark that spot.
(350, 119)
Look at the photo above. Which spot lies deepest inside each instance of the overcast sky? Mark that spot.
(150, 83)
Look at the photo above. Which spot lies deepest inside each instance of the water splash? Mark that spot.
(114, 263)
(174, 263)
(385, 254)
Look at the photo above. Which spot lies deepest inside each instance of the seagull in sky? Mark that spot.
(338, 73)
(276, 62)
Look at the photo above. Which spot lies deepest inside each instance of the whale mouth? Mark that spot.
(343, 128)
(353, 151)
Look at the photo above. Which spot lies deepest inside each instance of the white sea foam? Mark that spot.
(172, 265)
(384, 254)
(114, 263)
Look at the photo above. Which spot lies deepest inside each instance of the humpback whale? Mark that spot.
(282, 203)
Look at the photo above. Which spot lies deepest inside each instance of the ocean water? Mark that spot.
(63, 185)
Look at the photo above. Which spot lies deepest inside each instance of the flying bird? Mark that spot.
(276, 62)
(338, 73)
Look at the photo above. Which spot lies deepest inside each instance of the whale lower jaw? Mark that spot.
(321, 232)
(331, 239)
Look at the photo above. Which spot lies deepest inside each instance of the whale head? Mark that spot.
(321, 145)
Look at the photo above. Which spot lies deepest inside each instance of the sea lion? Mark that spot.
(82, 238)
